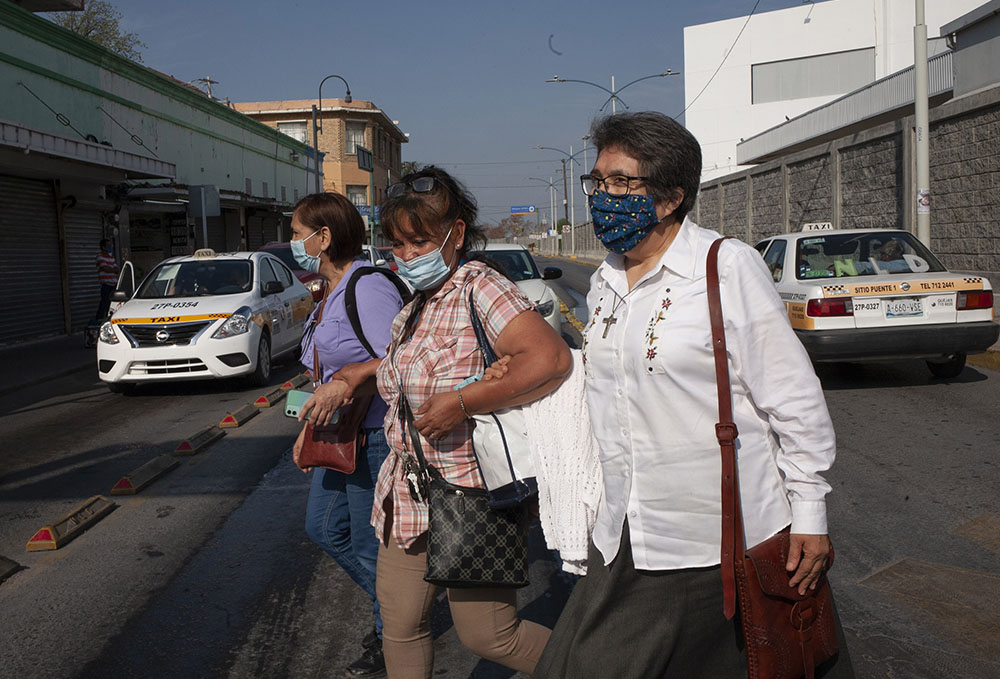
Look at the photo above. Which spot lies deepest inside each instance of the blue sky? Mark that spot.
(465, 79)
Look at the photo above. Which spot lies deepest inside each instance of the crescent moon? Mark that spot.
(552, 35)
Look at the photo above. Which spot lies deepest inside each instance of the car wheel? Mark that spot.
(953, 367)
(121, 388)
(262, 374)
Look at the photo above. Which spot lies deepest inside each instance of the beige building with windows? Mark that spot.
(343, 127)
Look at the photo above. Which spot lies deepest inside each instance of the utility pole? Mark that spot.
(316, 149)
(572, 209)
(921, 123)
(565, 202)
(614, 108)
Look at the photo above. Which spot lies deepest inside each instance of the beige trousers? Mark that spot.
(485, 619)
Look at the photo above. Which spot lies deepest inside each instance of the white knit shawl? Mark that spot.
(568, 468)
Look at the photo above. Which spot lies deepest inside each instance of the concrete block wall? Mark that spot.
(810, 192)
(871, 184)
(965, 190)
(767, 204)
(734, 208)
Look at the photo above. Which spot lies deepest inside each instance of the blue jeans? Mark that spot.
(339, 510)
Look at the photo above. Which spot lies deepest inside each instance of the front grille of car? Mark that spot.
(171, 366)
(167, 335)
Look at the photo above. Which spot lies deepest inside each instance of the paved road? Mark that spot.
(208, 573)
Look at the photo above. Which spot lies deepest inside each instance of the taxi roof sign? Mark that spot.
(817, 226)
(204, 252)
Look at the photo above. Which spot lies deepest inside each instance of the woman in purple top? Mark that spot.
(328, 233)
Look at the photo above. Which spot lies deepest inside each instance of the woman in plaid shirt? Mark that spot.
(430, 220)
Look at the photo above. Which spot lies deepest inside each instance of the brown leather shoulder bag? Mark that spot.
(787, 634)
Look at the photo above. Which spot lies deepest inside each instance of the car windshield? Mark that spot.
(862, 254)
(197, 279)
(385, 253)
(517, 264)
(285, 255)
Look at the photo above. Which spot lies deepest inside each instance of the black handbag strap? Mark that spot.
(406, 419)
(489, 355)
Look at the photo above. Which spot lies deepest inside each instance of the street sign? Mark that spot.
(565, 228)
(366, 210)
(522, 209)
(365, 159)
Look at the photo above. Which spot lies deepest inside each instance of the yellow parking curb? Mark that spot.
(58, 533)
(989, 360)
(571, 318)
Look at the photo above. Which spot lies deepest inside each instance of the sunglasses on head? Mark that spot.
(418, 185)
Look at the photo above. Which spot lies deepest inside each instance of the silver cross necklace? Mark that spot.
(611, 320)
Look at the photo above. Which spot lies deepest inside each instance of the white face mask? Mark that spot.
(426, 271)
(308, 262)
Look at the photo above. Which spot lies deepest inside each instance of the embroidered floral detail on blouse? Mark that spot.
(586, 331)
(651, 337)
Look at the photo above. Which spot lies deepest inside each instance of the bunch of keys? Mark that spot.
(414, 479)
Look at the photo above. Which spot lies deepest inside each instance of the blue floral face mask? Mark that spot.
(621, 222)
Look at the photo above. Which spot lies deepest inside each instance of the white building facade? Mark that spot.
(790, 61)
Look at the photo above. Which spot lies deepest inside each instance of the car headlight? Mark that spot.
(107, 334)
(545, 308)
(237, 324)
(315, 285)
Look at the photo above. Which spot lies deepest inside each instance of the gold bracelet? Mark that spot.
(461, 404)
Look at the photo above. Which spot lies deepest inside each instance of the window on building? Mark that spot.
(814, 76)
(382, 145)
(355, 136)
(296, 129)
(357, 194)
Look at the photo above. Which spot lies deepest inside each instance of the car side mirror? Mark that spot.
(379, 262)
(551, 273)
(273, 288)
(119, 296)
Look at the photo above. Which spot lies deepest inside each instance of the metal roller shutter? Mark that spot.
(83, 237)
(255, 231)
(29, 260)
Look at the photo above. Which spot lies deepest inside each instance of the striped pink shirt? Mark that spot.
(442, 352)
(106, 261)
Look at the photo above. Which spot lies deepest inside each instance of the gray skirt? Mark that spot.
(632, 624)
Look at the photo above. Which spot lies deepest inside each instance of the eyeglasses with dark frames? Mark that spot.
(418, 185)
(616, 184)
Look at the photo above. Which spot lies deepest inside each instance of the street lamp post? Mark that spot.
(613, 93)
(552, 196)
(317, 122)
(569, 157)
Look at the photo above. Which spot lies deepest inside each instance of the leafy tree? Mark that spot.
(411, 166)
(100, 21)
(512, 226)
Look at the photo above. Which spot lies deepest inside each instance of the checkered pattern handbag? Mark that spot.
(469, 544)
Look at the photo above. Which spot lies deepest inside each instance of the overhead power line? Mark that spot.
(728, 52)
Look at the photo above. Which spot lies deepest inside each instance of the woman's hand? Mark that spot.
(297, 449)
(807, 557)
(439, 415)
(497, 370)
(354, 375)
(324, 402)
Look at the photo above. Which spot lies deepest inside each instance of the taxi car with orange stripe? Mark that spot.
(865, 294)
(204, 316)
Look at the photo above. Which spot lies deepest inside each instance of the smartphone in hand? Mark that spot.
(294, 400)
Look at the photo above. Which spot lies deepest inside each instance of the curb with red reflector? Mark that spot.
(132, 483)
(202, 439)
(239, 417)
(8, 568)
(296, 382)
(66, 528)
(270, 398)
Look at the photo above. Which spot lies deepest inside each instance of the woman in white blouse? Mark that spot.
(651, 604)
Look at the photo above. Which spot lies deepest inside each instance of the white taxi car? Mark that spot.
(517, 263)
(864, 294)
(204, 316)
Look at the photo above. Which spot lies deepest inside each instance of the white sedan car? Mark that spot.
(517, 263)
(865, 294)
(204, 316)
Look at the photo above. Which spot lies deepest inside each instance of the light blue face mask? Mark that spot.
(426, 271)
(308, 262)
